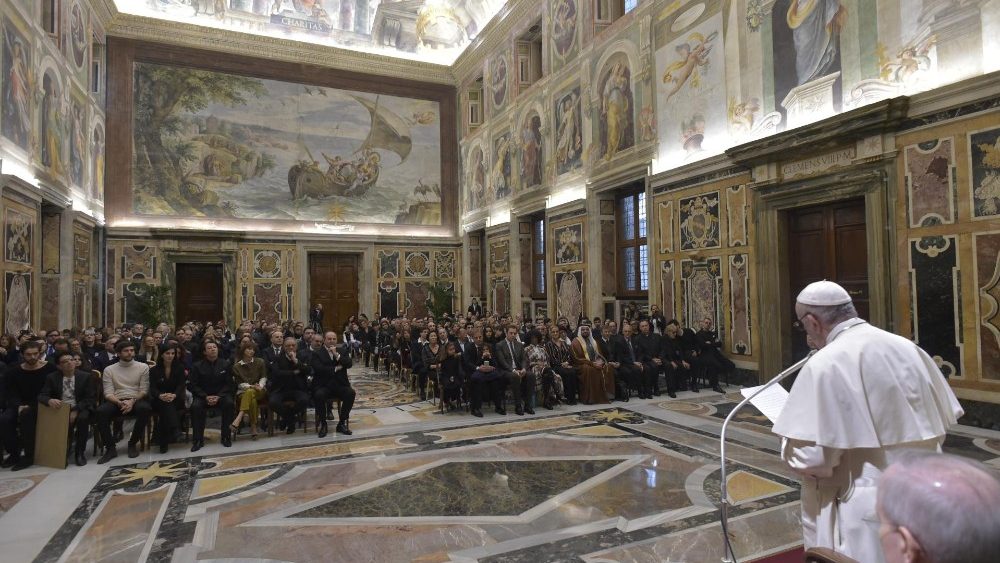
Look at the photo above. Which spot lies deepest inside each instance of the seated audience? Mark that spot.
(22, 384)
(211, 385)
(126, 392)
(288, 383)
(250, 376)
(330, 381)
(76, 389)
(168, 385)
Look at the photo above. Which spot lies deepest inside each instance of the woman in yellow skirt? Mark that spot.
(250, 374)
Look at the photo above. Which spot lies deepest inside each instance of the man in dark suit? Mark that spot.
(676, 360)
(211, 384)
(288, 382)
(330, 381)
(649, 352)
(316, 318)
(510, 360)
(272, 352)
(107, 356)
(713, 362)
(475, 308)
(628, 368)
(75, 388)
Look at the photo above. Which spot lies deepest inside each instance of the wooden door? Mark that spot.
(828, 242)
(333, 282)
(199, 292)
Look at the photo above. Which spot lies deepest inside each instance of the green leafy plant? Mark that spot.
(153, 305)
(441, 299)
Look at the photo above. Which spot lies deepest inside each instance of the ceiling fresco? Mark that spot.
(434, 31)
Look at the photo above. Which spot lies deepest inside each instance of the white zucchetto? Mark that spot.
(823, 294)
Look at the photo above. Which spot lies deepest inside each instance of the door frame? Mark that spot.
(772, 202)
(168, 277)
(365, 278)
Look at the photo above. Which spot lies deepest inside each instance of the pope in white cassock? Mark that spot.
(863, 397)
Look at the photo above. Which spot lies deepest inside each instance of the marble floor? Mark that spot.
(636, 481)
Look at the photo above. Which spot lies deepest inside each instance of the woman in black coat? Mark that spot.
(167, 385)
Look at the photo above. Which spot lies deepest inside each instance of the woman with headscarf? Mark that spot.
(561, 362)
(538, 362)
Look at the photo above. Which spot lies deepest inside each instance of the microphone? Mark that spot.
(727, 549)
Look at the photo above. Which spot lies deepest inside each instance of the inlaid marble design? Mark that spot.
(987, 255)
(416, 295)
(211, 486)
(699, 221)
(14, 489)
(935, 299)
(267, 301)
(739, 304)
(667, 286)
(444, 264)
(702, 290)
(388, 298)
(138, 262)
(930, 183)
(505, 488)
(665, 216)
(984, 163)
(388, 263)
(737, 211)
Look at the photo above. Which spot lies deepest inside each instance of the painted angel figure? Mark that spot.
(18, 90)
(693, 54)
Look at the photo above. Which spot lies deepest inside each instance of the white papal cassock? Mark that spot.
(859, 401)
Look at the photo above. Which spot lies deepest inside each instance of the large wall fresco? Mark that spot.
(217, 145)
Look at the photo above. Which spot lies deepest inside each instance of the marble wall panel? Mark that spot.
(702, 290)
(138, 262)
(667, 287)
(17, 301)
(987, 248)
(416, 295)
(110, 289)
(499, 257)
(930, 183)
(81, 254)
(984, 156)
(418, 265)
(736, 215)
(130, 299)
(444, 264)
(51, 238)
(527, 283)
(568, 241)
(699, 221)
(50, 302)
(266, 264)
(665, 219)
(569, 295)
(500, 295)
(739, 305)
(388, 263)
(609, 267)
(935, 300)
(267, 302)
(476, 270)
(388, 298)
(19, 230)
(80, 304)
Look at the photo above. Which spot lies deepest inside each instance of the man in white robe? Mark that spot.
(864, 397)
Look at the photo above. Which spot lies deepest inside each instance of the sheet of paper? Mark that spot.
(770, 403)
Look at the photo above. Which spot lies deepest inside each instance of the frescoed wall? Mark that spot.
(498, 273)
(567, 255)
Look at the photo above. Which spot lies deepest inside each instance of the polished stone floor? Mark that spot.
(636, 481)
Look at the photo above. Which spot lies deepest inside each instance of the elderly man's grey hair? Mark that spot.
(950, 504)
(832, 315)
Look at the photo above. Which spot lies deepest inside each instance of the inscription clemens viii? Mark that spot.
(816, 164)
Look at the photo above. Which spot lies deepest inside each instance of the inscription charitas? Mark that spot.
(817, 164)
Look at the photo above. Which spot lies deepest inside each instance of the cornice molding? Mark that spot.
(142, 28)
(839, 130)
(250, 237)
(105, 10)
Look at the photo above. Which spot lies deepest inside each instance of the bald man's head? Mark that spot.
(939, 508)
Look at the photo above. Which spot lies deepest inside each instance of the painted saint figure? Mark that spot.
(616, 111)
(17, 97)
(569, 140)
(815, 26)
(531, 151)
(52, 123)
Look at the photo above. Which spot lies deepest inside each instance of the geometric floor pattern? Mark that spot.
(636, 481)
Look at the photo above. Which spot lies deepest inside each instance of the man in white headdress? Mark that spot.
(597, 378)
(862, 399)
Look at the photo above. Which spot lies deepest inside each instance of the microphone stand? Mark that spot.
(727, 549)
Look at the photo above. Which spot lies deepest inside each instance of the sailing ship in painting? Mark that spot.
(358, 173)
